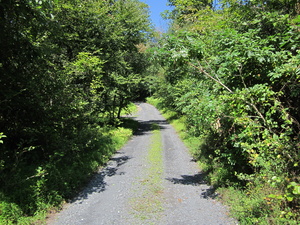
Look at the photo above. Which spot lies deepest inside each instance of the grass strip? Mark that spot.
(249, 205)
(148, 204)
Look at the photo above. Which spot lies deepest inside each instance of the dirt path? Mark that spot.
(151, 180)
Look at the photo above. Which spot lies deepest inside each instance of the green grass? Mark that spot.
(130, 109)
(249, 204)
(37, 189)
(178, 122)
(148, 204)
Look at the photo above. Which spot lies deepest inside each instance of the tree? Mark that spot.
(234, 77)
(115, 30)
(67, 68)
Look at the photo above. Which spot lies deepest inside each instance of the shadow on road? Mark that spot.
(196, 180)
(209, 193)
(148, 126)
(97, 184)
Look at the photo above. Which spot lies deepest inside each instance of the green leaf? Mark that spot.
(290, 198)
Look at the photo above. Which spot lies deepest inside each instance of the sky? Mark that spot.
(157, 7)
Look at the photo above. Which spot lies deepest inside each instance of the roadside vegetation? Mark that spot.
(68, 70)
(148, 205)
(227, 72)
(228, 75)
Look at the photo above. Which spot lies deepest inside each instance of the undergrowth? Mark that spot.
(260, 200)
(35, 189)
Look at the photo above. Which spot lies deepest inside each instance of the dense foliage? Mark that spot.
(67, 69)
(232, 70)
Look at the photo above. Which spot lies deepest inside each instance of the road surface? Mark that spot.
(137, 188)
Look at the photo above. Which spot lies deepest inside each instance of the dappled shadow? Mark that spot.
(97, 184)
(148, 126)
(194, 180)
(209, 192)
(198, 179)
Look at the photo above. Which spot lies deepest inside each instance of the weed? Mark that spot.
(260, 199)
(148, 204)
(35, 189)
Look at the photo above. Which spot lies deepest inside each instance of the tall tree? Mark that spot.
(234, 74)
(66, 68)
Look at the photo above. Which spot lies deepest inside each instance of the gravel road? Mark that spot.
(120, 193)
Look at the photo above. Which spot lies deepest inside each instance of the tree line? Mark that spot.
(67, 70)
(231, 70)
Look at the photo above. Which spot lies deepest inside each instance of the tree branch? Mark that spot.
(211, 77)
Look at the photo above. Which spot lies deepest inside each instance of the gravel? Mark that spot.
(108, 199)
